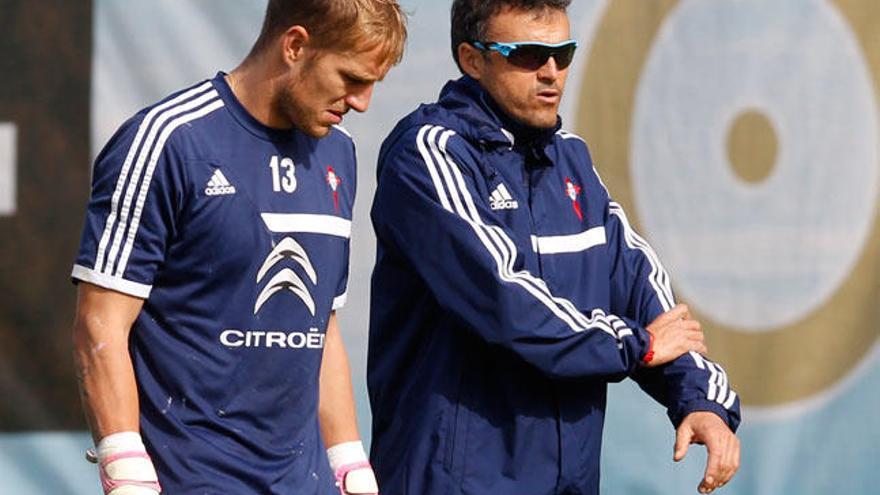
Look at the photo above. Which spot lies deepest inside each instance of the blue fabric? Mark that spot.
(508, 291)
(228, 382)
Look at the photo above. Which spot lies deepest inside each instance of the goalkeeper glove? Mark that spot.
(125, 467)
(354, 475)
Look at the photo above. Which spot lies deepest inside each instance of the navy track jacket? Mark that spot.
(508, 291)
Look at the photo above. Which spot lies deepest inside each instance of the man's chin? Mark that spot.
(539, 122)
(543, 117)
(317, 131)
(544, 125)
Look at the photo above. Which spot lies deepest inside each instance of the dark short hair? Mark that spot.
(340, 24)
(470, 18)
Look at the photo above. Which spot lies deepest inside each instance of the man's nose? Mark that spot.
(360, 100)
(549, 71)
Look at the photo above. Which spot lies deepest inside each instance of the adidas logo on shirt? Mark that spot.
(218, 185)
(502, 200)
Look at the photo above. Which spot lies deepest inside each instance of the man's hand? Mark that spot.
(358, 481)
(675, 333)
(708, 428)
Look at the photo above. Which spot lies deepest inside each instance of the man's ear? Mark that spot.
(294, 44)
(471, 60)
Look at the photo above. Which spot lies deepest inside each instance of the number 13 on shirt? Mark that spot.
(283, 174)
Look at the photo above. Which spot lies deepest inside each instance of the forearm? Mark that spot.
(104, 369)
(109, 397)
(474, 274)
(338, 420)
(691, 383)
(109, 391)
(107, 386)
(336, 410)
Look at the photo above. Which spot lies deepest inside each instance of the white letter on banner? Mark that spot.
(7, 168)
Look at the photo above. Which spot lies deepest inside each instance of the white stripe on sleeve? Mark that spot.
(658, 277)
(499, 246)
(148, 176)
(136, 178)
(145, 125)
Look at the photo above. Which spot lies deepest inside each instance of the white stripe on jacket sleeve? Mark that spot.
(496, 242)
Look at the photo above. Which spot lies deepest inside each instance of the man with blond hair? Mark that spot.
(213, 258)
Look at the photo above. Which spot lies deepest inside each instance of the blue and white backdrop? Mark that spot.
(741, 135)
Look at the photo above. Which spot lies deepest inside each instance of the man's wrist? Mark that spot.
(678, 414)
(352, 469)
(119, 442)
(649, 354)
(346, 453)
(123, 462)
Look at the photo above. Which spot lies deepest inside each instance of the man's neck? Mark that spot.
(523, 133)
(256, 84)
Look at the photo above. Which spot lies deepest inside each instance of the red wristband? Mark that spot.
(649, 356)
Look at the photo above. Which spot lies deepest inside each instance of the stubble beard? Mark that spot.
(297, 113)
(537, 119)
(292, 110)
(525, 112)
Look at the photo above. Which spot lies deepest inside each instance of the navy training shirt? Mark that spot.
(236, 235)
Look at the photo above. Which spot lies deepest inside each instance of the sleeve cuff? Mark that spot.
(644, 339)
(730, 416)
(119, 284)
(339, 301)
(638, 345)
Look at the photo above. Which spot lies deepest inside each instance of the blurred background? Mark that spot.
(740, 135)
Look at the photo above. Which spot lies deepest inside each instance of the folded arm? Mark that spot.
(427, 208)
(695, 390)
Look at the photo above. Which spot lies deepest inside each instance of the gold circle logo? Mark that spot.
(752, 146)
(788, 363)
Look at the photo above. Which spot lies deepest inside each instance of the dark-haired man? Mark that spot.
(214, 256)
(509, 289)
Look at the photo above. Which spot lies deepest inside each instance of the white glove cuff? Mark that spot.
(346, 453)
(125, 441)
(125, 467)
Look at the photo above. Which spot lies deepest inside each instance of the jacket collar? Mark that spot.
(465, 107)
(483, 121)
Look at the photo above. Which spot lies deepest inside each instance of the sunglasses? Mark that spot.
(532, 55)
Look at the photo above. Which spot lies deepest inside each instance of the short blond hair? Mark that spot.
(342, 25)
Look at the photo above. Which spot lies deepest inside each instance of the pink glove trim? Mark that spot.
(110, 484)
(343, 471)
